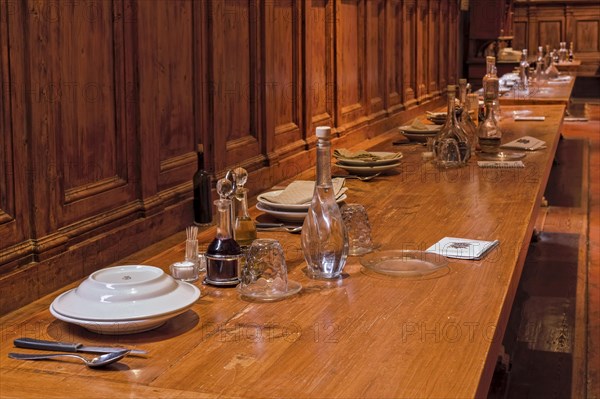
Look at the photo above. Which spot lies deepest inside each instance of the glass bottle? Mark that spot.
(571, 56)
(324, 237)
(555, 57)
(547, 57)
(223, 256)
(523, 71)
(202, 195)
(451, 147)
(488, 132)
(539, 65)
(563, 54)
(491, 84)
(244, 228)
(467, 123)
(473, 100)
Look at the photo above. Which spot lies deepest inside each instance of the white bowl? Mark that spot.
(121, 293)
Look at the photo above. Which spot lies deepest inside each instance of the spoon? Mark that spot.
(96, 362)
(361, 178)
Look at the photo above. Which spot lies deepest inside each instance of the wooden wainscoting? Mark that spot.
(103, 104)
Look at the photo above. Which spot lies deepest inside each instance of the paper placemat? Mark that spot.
(500, 164)
(462, 248)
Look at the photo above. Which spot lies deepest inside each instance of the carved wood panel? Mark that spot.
(232, 56)
(282, 81)
(166, 76)
(319, 69)
(422, 51)
(587, 36)
(82, 159)
(395, 60)
(350, 56)
(442, 46)
(376, 57)
(433, 44)
(409, 52)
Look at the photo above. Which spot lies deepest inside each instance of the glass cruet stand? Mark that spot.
(223, 256)
(451, 147)
(489, 134)
(324, 238)
(244, 229)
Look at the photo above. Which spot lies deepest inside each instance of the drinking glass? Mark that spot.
(265, 272)
(358, 228)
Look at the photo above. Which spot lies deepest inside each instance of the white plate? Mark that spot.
(430, 129)
(364, 162)
(117, 327)
(421, 137)
(286, 216)
(292, 207)
(90, 302)
(366, 170)
(293, 288)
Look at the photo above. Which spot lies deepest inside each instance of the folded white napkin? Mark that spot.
(462, 248)
(500, 164)
(527, 143)
(418, 125)
(363, 155)
(301, 192)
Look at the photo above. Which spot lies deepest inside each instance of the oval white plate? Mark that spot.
(291, 207)
(74, 305)
(118, 327)
(286, 216)
(362, 162)
(430, 129)
(366, 170)
(420, 137)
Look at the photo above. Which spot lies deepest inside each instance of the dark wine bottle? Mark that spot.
(202, 195)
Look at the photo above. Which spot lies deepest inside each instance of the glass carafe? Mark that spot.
(563, 54)
(451, 147)
(244, 229)
(489, 134)
(571, 55)
(466, 122)
(224, 255)
(324, 238)
(539, 65)
(523, 71)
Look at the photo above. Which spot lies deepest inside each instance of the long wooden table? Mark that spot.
(364, 335)
(542, 93)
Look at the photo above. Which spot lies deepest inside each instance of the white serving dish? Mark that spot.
(126, 293)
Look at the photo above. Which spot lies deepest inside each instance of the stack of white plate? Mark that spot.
(420, 134)
(294, 213)
(369, 167)
(124, 300)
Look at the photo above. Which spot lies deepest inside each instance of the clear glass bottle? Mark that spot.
(539, 65)
(489, 134)
(324, 238)
(467, 123)
(523, 71)
(555, 57)
(491, 84)
(224, 255)
(563, 54)
(244, 228)
(547, 57)
(571, 55)
(202, 195)
(451, 147)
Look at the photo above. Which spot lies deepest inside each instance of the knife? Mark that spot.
(32, 343)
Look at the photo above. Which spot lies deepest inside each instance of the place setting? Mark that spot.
(365, 165)
(419, 131)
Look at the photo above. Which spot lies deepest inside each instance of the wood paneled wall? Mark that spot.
(104, 102)
(541, 22)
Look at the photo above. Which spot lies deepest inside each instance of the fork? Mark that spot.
(277, 227)
(361, 178)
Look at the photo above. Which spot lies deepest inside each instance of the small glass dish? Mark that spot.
(404, 263)
(502, 156)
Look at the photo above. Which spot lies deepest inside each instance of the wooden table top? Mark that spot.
(546, 92)
(363, 335)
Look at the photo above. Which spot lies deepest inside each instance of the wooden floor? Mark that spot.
(553, 337)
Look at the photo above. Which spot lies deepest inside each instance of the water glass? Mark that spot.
(265, 272)
(358, 228)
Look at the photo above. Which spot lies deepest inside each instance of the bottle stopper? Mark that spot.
(323, 132)
(224, 188)
(240, 177)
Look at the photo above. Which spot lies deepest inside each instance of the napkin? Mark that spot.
(526, 143)
(418, 125)
(363, 155)
(301, 192)
(462, 248)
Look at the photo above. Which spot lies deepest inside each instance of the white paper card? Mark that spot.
(527, 143)
(462, 248)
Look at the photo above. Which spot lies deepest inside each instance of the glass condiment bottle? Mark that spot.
(202, 195)
(244, 229)
(467, 123)
(571, 55)
(523, 71)
(491, 84)
(539, 65)
(224, 255)
(451, 147)
(547, 57)
(563, 54)
(489, 134)
(324, 238)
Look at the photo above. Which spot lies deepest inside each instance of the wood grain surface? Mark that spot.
(363, 335)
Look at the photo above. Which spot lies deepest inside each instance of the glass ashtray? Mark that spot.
(404, 263)
(502, 156)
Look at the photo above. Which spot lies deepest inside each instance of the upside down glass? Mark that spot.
(265, 271)
(358, 228)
